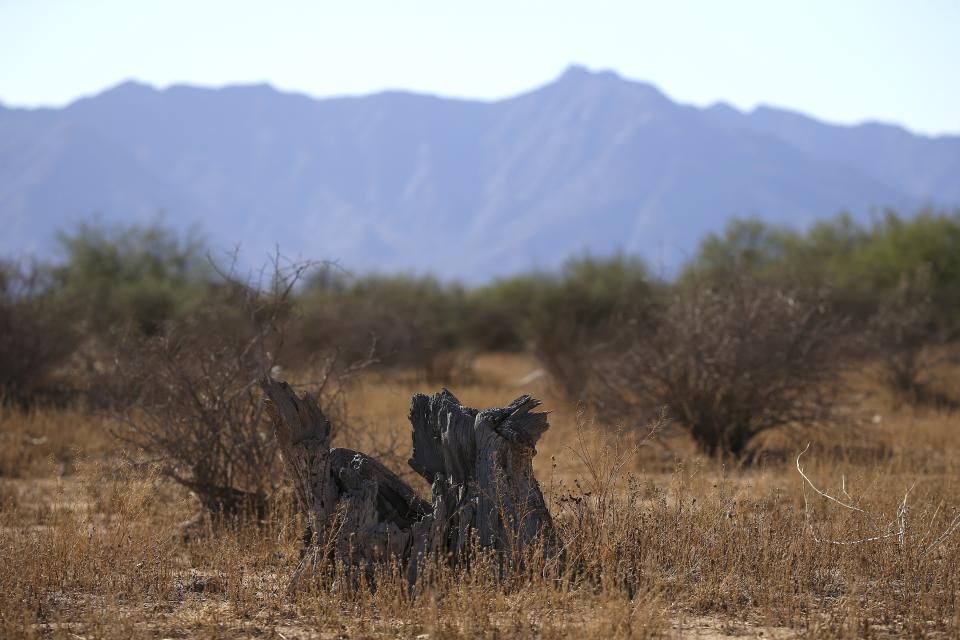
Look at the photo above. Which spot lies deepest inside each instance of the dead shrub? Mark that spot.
(197, 412)
(730, 359)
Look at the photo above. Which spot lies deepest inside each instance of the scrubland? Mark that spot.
(661, 540)
(764, 445)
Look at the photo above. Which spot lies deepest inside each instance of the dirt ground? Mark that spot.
(668, 543)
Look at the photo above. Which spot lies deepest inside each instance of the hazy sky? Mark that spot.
(841, 60)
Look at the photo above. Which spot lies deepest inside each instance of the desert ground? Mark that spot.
(669, 543)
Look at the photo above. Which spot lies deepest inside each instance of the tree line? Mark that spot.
(751, 335)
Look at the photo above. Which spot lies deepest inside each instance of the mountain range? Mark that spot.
(590, 162)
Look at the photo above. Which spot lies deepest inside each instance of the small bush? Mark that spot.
(36, 336)
(197, 409)
(560, 316)
(729, 359)
(861, 263)
(414, 322)
(905, 339)
(139, 275)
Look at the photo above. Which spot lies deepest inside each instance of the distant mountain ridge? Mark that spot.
(465, 189)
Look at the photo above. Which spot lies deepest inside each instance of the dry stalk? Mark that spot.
(900, 521)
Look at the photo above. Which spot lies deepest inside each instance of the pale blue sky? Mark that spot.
(841, 60)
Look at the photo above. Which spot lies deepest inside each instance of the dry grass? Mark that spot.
(663, 544)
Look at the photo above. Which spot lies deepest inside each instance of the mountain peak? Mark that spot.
(723, 108)
(582, 81)
(130, 87)
(123, 92)
(577, 73)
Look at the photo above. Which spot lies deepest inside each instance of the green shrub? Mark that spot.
(405, 320)
(37, 336)
(558, 316)
(142, 275)
(863, 264)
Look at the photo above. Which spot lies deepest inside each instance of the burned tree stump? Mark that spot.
(359, 513)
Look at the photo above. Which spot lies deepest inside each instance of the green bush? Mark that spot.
(900, 247)
(142, 275)
(561, 316)
(585, 294)
(37, 336)
(407, 321)
(146, 277)
(863, 264)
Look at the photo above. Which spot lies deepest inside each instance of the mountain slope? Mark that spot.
(465, 189)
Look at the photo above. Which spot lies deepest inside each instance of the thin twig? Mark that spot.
(824, 493)
(900, 534)
(953, 526)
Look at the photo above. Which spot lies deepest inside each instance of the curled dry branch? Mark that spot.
(897, 528)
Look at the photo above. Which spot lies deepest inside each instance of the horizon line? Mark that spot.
(568, 69)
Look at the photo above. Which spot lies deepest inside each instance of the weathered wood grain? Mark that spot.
(484, 494)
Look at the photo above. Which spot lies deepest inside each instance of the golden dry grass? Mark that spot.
(665, 543)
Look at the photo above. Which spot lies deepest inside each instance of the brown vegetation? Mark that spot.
(188, 399)
(122, 419)
(728, 360)
(658, 548)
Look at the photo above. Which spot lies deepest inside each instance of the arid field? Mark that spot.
(667, 542)
(494, 321)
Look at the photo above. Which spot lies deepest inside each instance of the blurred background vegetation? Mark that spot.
(890, 289)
